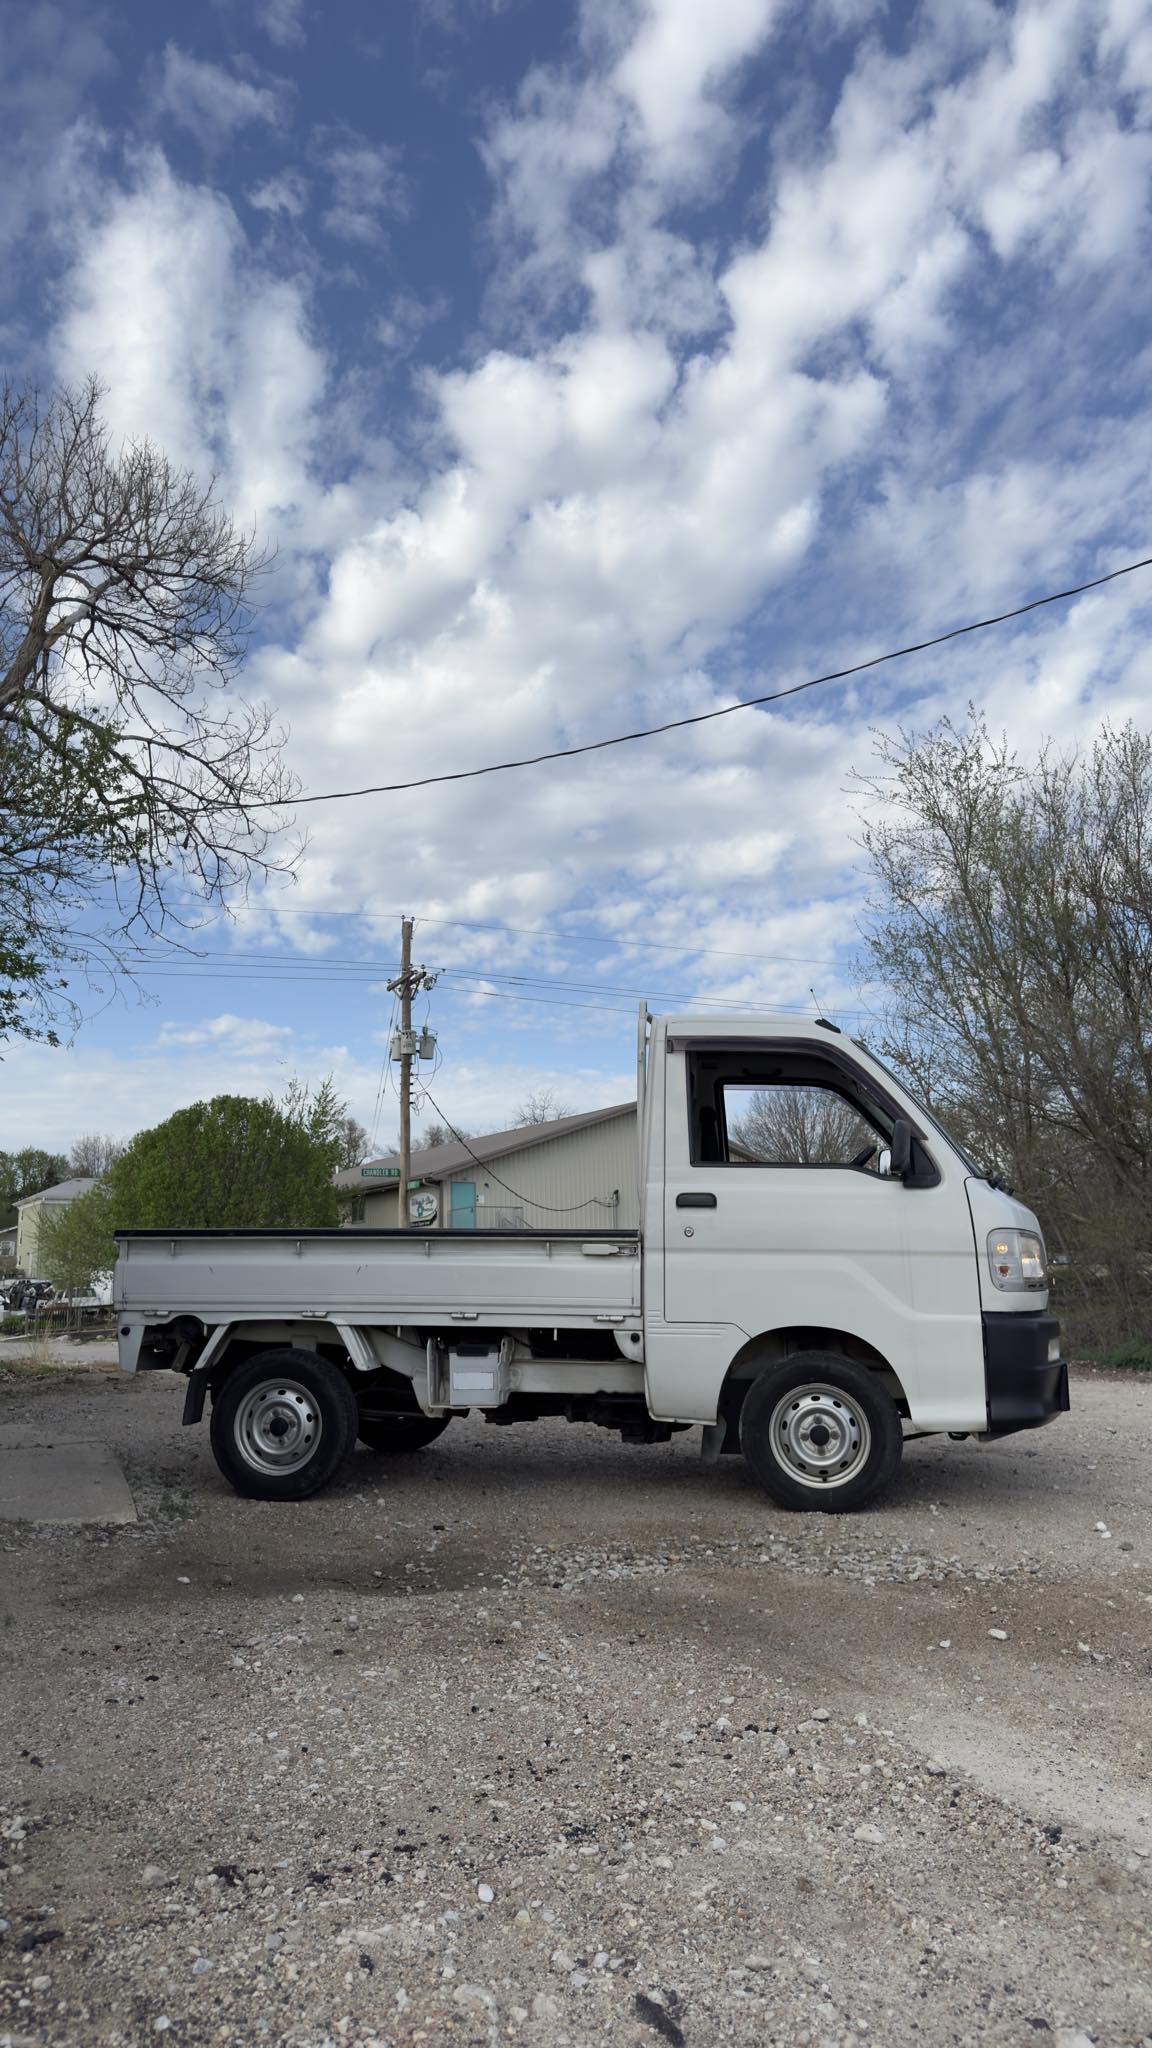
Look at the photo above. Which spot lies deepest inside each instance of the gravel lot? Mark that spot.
(537, 1737)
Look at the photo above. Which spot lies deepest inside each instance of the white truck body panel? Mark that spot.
(362, 1275)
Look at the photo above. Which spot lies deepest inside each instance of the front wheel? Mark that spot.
(283, 1424)
(820, 1433)
(394, 1434)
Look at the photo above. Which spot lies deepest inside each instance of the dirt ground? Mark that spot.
(537, 1737)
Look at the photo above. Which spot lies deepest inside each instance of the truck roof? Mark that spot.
(746, 1024)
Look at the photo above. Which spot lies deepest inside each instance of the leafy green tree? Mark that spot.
(232, 1162)
(25, 1173)
(76, 1245)
(324, 1115)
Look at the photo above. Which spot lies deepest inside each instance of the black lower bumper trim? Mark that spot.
(1026, 1385)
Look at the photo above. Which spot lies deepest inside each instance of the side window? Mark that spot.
(795, 1123)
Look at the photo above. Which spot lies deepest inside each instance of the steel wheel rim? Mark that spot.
(820, 1436)
(278, 1427)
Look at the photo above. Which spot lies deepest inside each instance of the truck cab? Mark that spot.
(810, 1208)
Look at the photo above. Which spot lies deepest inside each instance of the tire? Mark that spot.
(821, 1434)
(283, 1424)
(395, 1434)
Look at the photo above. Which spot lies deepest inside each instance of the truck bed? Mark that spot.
(563, 1278)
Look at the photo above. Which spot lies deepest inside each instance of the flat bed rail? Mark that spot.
(562, 1278)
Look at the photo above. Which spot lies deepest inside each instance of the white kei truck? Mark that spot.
(820, 1272)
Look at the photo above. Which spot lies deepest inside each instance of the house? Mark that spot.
(28, 1213)
(576, 1172)
(7, 1248)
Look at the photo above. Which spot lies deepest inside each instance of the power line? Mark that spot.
(648, 732)
(495, 995)
(463, 982)
(257, 966)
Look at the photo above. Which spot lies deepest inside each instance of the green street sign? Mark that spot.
(379, 1173)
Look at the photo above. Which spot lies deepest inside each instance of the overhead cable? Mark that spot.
(648, 732)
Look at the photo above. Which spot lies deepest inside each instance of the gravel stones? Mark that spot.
(594, 1676)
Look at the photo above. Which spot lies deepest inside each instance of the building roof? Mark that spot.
(440, 1162)
(64, 1191)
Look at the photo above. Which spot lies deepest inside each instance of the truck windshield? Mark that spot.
(973, 1165)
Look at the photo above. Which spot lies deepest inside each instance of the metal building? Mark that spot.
(575, 1172)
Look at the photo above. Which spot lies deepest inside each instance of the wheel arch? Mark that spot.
(769, 1347)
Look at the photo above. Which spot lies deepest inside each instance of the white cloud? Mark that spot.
(673, 71)
(366, 184)
(54, 59)
(200, 348)
(287, 193)
(208, 101)
(247, 1036)
(399, 329)
(283, 21)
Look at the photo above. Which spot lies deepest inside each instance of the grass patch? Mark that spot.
(1134, 1356)
(37, 1360)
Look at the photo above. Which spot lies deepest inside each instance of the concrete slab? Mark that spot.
(63, 1482)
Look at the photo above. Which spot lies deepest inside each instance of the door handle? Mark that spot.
(695, 1200)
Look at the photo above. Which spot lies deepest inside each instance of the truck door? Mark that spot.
(776, 1213)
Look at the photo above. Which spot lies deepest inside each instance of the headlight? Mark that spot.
(1017, 1260)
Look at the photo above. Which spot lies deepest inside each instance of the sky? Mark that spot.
(589, 363)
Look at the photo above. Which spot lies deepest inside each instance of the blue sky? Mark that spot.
(588, 364)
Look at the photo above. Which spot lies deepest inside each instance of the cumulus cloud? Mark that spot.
(674, 72)
(200, 348)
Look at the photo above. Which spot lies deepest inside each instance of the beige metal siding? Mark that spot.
(381, 1207)
(582, 1168)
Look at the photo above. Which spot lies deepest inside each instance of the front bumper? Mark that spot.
(1026, 1379)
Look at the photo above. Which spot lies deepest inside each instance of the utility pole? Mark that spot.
(408, 983)
(405, 1066)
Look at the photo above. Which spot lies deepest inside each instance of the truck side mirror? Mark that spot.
(900, 1153)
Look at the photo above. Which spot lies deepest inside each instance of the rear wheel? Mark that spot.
(283, 1424)
(820, 1433)
(394, 1434)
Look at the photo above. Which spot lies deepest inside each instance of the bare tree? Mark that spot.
(354, 1147)
(791, 1125)
(541, 1107)
(93, 1154)
(1012, 930)
(136, 794)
